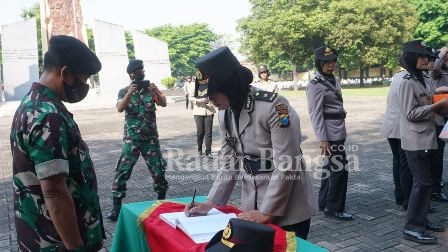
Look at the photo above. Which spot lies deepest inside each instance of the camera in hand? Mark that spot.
(141, 83)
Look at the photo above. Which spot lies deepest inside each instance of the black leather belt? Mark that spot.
(255, 167)
(334, 116)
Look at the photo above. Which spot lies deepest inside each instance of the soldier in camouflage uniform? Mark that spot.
(139, 100)
(56, 201)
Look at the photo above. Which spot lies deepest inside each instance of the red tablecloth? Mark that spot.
(163, 237)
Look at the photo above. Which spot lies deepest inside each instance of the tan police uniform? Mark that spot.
(325, 106)
(268, 127)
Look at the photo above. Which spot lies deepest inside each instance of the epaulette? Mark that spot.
(407, 76)
(265, 96)
(318, 79)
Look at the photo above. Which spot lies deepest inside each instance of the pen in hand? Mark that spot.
(192, 203)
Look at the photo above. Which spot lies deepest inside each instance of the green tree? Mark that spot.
(284, 33)
(129, 45)
(169, 82)
(90, 39)
(186, 44)
(370, 32)
(34, 12)
(433, 17)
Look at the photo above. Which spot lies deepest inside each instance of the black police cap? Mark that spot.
(244, 236)
(134, 65)
(74, 54)
(434, 53)
(326, 53)
(216, 66)
(417, 47)
(263, 68)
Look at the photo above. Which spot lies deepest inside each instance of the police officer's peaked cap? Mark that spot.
(434, 53)
(134, 65)
(216, 66)
(326, 53)
(262, 69)
(244, 236)
(417, 47)
(74, 54)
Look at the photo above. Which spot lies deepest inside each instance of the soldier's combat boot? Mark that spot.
(113, 215)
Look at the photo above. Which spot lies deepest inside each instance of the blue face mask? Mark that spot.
(76, 92)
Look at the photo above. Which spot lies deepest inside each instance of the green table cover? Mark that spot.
(130, 237)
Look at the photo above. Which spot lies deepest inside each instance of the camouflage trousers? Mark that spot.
(150, 150)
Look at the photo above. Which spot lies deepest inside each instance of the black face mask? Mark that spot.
(76, 92)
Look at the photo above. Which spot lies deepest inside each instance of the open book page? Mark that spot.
(202, 229)
(172, 218)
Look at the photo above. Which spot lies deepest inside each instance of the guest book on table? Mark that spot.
(200, 229)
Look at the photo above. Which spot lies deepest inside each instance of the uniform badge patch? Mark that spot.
(283, 116)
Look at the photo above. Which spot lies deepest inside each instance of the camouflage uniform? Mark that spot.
(45, 141)
(140, 136)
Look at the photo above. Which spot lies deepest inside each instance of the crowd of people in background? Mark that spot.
(414, 138)
(53, 170)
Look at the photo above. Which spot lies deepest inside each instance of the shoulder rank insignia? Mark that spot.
(248, 102)
(407, 76)
(318, 79)
(264, 96)
(283, 117)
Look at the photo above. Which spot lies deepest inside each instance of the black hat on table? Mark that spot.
(417, 47)
(243, 236)
(134, 65)
(74, 54)
(326, 53)
(215, 67)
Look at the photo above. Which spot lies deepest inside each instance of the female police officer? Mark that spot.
(261, 134)
(327, 114)
(418, 139)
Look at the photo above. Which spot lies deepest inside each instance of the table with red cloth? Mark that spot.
(140, 229)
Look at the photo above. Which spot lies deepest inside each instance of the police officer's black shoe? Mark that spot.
(419, 237)
(342, 216)
(161, 196)
(115, 212)
(209, 155)
(430, 226)
(439, 197)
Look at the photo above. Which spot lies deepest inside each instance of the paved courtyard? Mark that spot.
(377, 220)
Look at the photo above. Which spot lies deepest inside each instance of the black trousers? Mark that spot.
(204, 126)
(420, 166)
(437, 164)
(186, 101)
(401, 173)
(333, 188)
(300, 229)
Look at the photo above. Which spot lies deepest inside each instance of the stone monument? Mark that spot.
(154, 54)
(20, 58)
(110, 47)
(61, 17)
